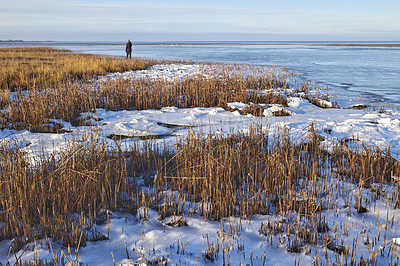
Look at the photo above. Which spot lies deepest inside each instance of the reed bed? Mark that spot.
(39, 201)
(33, 109)
(34, 68)
(256, 173)
(53, 97)
(238, 175)
(203, 90)
(295, 184)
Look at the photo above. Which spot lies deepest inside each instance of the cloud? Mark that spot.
(62, 18)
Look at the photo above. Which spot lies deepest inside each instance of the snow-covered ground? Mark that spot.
(148, 240)
(374, 126)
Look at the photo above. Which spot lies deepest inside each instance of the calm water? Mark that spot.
(353, 74)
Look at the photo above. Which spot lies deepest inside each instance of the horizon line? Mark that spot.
(320, 43)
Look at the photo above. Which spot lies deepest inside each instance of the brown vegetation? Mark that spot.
(65, 196)
(32, 68)
(64, 87)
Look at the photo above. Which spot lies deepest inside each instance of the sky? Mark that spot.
(200, 20)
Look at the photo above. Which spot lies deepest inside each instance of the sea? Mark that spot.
(365, 73)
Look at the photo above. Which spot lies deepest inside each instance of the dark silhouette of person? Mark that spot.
(128, 49)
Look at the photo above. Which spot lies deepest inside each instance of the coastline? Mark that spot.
(325, 185)
(183, 43)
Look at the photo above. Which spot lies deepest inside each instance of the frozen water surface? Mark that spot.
(354, 74)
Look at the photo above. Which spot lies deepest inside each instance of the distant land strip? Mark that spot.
(354, 44)
(251, 43)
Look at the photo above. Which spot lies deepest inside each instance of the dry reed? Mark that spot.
(34, 68)
(240, 175)
(65, 98)
(64, 197)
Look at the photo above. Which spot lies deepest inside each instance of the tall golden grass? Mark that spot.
(66, 87)
(27, 68)
(64, 197)
(85, 179)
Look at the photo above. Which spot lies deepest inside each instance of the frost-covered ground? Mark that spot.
(146, 240)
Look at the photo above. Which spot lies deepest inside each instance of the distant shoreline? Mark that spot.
(350, 44)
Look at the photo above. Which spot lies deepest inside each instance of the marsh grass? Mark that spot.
(33, 108)
(237, 175)
(41, 85)
(257, 172)
(66, 195)
(41, 199)
(34, 68)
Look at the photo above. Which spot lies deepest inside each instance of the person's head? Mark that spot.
(129, 40)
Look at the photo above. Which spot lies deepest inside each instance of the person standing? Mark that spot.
(128, 49)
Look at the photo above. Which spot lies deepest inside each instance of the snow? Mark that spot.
(167, 72)
(237, 105)
(375, 128)
(150, 239)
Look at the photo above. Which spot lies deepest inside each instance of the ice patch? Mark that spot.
(171, 109)
(294, 102)
(237, 105)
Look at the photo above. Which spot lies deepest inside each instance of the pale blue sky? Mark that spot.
(200, 20)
